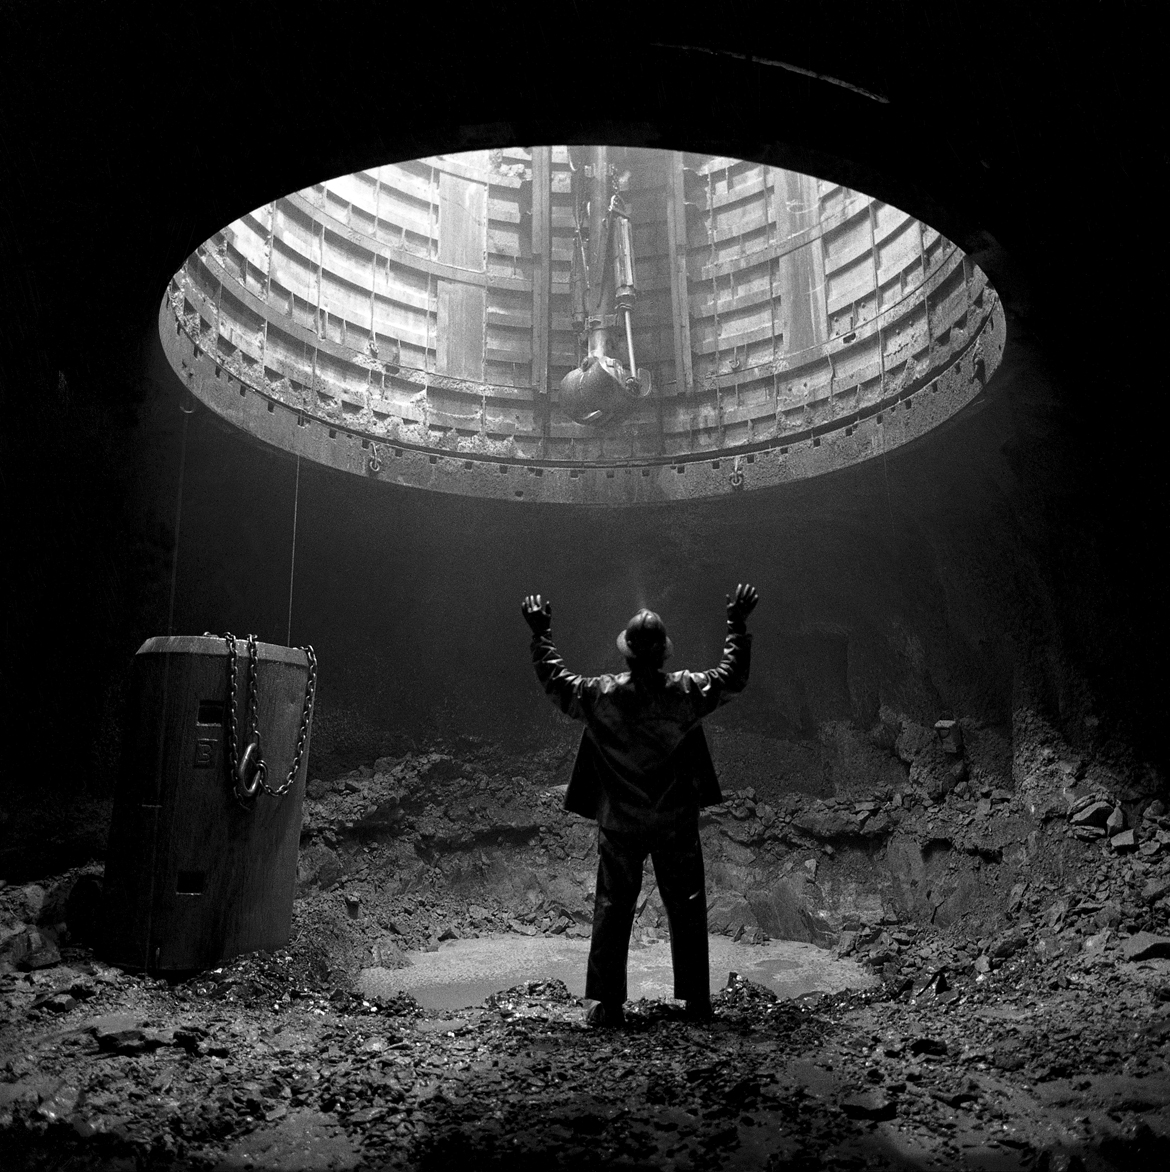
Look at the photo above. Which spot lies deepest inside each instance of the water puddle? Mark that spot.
(464, 972)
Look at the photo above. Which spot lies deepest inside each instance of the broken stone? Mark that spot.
(61, 1103)
(1116, 821)
(935, 983)
(934, 1046)
(1098, 942)
(190, 1038)
(39, 949)
(1095, 814)
(33, 896)
(119, 1033)
(825, 823)
(1109, 916)
(1156, 889)
(1145, 946)
(1123, 841)
(1008, 1057)
(869, 1105)
(386, 954)
(1008, 944)
(56, 1002)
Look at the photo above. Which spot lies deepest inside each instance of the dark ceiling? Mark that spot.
(1032, 135)
(129, 139)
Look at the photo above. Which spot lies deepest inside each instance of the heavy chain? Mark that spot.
(249, 771)
(233, 755)
(303, 732)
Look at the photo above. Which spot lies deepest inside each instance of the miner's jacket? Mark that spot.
(643, 762)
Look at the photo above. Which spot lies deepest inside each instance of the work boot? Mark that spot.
(699, 1009)
(602, 1015)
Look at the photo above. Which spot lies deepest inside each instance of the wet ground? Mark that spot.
(1035, 1065)
(463, 972)
(426, 1014)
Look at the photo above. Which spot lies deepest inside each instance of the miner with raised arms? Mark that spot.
(643, 771)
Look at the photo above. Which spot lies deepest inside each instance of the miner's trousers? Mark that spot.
(677, 855)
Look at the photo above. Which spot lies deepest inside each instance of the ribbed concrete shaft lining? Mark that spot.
(412, 323)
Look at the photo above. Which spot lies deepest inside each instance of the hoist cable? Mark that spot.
(178, 522)
(889, 504)
(292, 566)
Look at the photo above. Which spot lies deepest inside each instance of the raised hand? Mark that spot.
(742, 603)
(537, 615)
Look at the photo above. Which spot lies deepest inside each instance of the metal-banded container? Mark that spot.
(202, 857)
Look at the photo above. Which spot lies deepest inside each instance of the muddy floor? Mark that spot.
(1012, 929)
(261, 1065)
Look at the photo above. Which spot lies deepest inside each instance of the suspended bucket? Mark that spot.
(202, 857)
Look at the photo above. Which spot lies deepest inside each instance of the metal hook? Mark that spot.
(247, 788)
(736, 477)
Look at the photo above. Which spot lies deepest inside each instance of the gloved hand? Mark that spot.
(742, 603)
(536, 615)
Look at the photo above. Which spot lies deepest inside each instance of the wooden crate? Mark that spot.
(192, 878)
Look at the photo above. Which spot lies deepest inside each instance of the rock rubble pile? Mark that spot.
(1018, 923)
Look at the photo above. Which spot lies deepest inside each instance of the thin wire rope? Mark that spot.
(292, 567)
(178, 523)
(886, 475)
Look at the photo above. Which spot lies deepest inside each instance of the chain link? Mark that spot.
(233, 754)
(253, 709)
(245, 794)
(303, 732)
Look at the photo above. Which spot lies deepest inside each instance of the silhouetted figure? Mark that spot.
(643, 771)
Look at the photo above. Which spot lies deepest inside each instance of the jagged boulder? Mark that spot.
(1092, 814)
(784, 914)
(931, 769)
(383, 816)
(913, 741)
(387, 955)
(822, 821)
(318, 866)
(729, 914)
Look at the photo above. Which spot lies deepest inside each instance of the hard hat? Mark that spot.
(645, 637)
